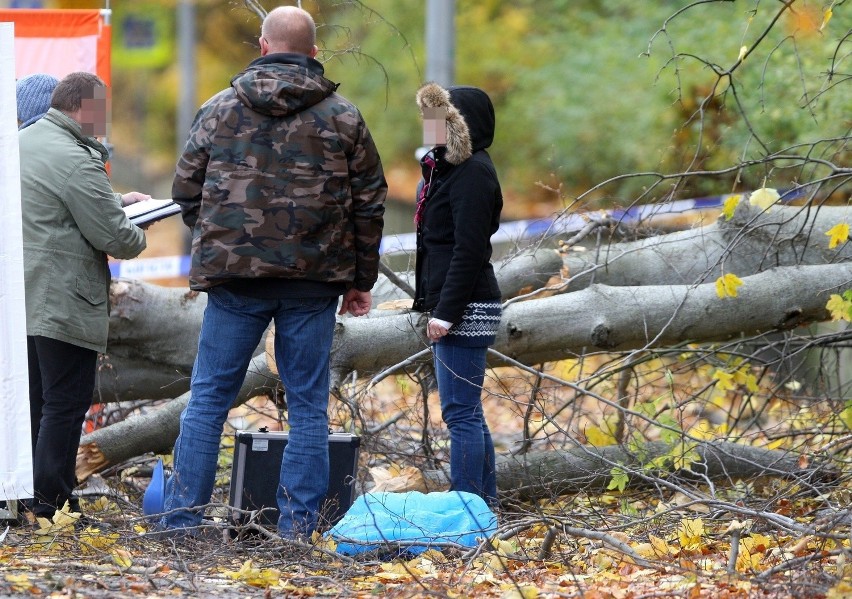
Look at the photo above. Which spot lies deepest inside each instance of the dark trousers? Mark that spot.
(62, 381)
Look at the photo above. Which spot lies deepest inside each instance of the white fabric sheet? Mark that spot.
(16, 465)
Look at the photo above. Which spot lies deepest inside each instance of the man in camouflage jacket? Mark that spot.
(283, 189)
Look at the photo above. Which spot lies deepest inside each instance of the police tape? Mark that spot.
(168, 267)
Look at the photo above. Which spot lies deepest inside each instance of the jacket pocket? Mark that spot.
(436, 272)
(91, 290)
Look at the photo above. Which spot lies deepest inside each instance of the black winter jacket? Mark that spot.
(461, 213)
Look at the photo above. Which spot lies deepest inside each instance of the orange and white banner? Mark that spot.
(58, 42)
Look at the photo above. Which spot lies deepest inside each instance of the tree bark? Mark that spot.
(153, 338)
(156, 431)
(535, 331)
(154, 330)
(613, 319)
(542, 474)
(751, 242)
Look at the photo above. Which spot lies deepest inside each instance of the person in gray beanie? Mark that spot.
(33, 97)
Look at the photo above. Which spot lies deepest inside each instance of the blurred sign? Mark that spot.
(59, 42)
(143, 36)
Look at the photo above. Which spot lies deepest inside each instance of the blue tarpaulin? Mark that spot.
(414, 520)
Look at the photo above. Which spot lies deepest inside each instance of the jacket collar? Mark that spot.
(65, 122)
(291, 58)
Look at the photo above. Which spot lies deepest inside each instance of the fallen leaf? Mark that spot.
(763, 197)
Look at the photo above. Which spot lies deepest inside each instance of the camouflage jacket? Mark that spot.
(280, 178)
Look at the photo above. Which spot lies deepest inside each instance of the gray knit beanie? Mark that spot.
(34, 93)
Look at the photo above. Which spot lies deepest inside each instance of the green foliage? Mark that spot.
(619, 480)
(584, 90)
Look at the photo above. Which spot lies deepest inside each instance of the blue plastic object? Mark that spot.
(380, 520)
(155, 495)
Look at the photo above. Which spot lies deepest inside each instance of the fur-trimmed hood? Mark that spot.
(432, 95)
(470, 118)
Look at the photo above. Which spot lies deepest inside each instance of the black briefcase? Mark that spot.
(256, 468)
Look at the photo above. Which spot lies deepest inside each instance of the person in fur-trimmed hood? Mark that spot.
(458, 210)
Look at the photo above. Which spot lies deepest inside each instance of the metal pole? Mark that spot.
(186, 59)
(441, 42)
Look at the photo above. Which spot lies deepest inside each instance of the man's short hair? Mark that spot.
(73, 89)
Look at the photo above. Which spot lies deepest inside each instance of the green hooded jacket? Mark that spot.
(72, 220)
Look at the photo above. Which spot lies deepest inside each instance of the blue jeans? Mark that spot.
(232, 328)
(460, 372)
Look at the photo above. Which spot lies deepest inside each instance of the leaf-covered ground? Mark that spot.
(621, 546)
(745, 538)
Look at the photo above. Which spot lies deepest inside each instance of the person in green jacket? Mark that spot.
(72, 220)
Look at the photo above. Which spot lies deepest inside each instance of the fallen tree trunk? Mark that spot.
(554, 328)
(156, 431)
(144, 362)
(154, 330)
(543, 474)
(613, 319)
(752, 241)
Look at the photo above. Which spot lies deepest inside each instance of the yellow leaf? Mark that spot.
(93, 540)
(391, 576)
(743, 50)
(724, 380)
(685, 458)
(775, 444)
(846, 415)
(837, 234)
(730, 206)
(645, 550)
(396, 571)
(291, 590)
(748, 561)
(491, 563)
(726, 285)
(764, 197)
(661, 546)
(746, 379)
(703, 430)
(758, 543)
(523, 591)
(689, 533)
(255, 577)
(484, 577)
(826, 17)
(64, 519)
(751, 552)
(432, 555)
(122, 558)
(598, 437)
(503, 547)
(838, 307)
(320, 542)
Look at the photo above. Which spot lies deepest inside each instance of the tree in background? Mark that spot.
(581, 93)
